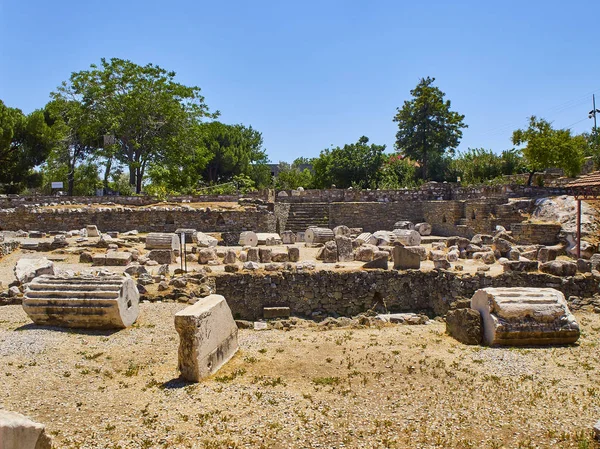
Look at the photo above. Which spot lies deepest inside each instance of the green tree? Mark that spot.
(427, 128)
(79, 130)
(232, 150)
(25, 142)
(398, 172)
(149, 115)
(353, 165)
(294, 175)
(477, 165)
(546, 147)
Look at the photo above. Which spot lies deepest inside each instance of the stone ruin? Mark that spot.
(19, 432)
(89, 302)
(208, 337)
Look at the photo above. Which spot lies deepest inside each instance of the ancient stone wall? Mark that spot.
(428, 192)
(375, 216)
(536, 233)
(350, 293)
(161, 219)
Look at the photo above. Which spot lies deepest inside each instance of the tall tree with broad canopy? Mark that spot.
(353, 165)
(427, 128)
(25, 143)
(546, 147)
(148, 115)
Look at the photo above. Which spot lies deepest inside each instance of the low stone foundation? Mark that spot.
(350, 293)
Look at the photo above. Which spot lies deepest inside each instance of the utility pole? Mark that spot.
(593, 112)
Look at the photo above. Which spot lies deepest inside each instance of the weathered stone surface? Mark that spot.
(135, 269)
(482, 239)
(293, 254)
(548, 253)
(423, 228)
(453, 255)
(288, 237)
(486, 257)
(366, 238)
(584, 266)
(206, 255)
(276, 312)
(520, 265)
(19, 432)
(365, 253)
(525, 316)
(380, 261)
(27, 269)
(328, 254)
(265, 255)
(404, 224)
(460, 242)
(248, 238)
(163, 240)
(344, 248)
(91, 302)
(407, 237)
(85, 257)
(465, 326)
(595, 261)
(268, 238)
(250, 265)
(206, 241)
(162, 256)
(280, 255)
(318, 235)
(437, 255)
(118, 258)
(405, 259)
(230, 257)
(191, 235)
(420, 250)
(385, 237)
(232, 268)
(559, 268)
(342, 230)
(91, 230)
(253, 255)
(441, 264)
(502, 245)
(207, 337)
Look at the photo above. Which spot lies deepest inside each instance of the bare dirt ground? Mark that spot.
(395, 386)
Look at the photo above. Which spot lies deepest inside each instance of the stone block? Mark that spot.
(27, 269)
(460, 242)
(404, 224)
(441, 264)
(191, 235)
(525, 316)
(248, 238)
(288, 237)
(407, 237)
(520, 265)
(118, 259)
(276, 312)
(366, 238)
(486, 257)
(380, 261)
(265, 255)
(365, 253)
(405, 259)
(342, 230)
(91, 230)
(19, 432)
(559, 268)
(465, 326)
(344, 248)
(162, 256)
(423, 228)
(163, 240)
(206, 255)
(90, 302)
(293, 254)
(230, 257)
(269, 238)
(207, 337)
(280, 255)
(482, 239)
(98, 260)
(253, 255)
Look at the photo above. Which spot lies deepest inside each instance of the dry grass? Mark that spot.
(398, 386)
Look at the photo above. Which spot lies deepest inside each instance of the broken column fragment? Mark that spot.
(525, 316)
(207, 337)
(90, 302)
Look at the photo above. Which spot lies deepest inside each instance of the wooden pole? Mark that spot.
(578, 228)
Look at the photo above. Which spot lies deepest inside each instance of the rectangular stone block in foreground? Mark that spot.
(19, 432)
(276, 312)
(525, 316)
(207, 337)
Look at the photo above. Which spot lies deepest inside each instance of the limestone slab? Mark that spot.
(208, 337)
(19, 432)
(523, 316)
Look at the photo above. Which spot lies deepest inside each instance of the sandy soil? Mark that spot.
(395, 386)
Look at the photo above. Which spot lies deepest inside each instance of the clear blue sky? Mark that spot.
(310, 74)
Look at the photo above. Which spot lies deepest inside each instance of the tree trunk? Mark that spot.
(106, 174)
(138, 181)
(132, 169)
(531, 173)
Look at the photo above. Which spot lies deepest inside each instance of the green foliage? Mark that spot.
(151, 117)
(478, 165)
(547, 147)
(427, 128)
(592, 149)
(25, 142)
(85, 175)
(399, 172)
(357, 165)
(294, 175)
